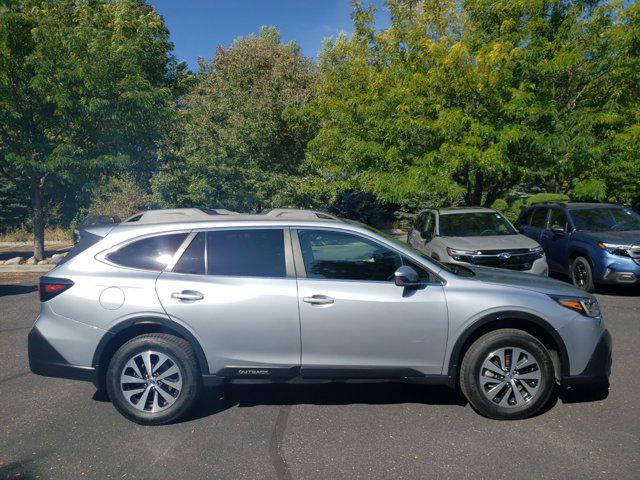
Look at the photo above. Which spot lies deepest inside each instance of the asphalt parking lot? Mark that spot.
(54, 428)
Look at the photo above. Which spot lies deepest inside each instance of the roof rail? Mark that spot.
(300, 214)
(550, 202)
(176, 215)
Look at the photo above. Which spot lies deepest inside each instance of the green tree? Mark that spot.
(84, 87)
(462, 100)
(243, 133)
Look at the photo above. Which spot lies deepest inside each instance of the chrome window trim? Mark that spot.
(289, 271)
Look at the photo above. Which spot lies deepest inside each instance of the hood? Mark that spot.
(489, 242)
(629, 237)
(526, 281)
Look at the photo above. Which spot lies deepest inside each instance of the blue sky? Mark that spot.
(198, 26)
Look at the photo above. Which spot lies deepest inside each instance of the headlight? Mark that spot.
(538, 250)
(586, 306)
(459, 254)
(615, 248)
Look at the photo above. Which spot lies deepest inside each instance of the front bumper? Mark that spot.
(598, 368)
(617, 269)
(45, 360)
(538, 267)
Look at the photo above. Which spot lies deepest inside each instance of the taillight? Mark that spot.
(50, 287)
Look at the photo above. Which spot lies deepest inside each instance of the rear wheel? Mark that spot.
(507, 374)
(581, 274)
(153, 379)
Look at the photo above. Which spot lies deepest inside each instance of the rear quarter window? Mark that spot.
(151, 253)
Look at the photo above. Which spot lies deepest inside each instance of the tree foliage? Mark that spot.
(460, 101)
(243, 135)
(84, 87)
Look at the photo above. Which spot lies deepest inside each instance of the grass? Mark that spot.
(22, 234)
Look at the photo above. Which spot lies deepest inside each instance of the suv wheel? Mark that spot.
(581, 274)
(507, 374)
(153, 379)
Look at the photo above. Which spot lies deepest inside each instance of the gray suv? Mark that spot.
(477, 236)
(154, 312)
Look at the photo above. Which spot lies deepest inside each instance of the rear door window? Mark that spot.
(246, 253)
(539, 218)
(151, 253)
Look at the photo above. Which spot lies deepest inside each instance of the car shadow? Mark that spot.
(7, 290)
(217, 400)
(336, 393)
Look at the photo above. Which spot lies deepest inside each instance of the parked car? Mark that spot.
(592, 243)
(475, 236)
(154, 312)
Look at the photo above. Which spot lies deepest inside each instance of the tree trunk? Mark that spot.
(38, 221)
(478, 189)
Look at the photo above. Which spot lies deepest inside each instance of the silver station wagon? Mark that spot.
(153, 312)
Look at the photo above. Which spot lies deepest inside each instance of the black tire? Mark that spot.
(474, 389)
(180, 354)
(582, 274)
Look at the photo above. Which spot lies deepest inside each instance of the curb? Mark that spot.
(25, 268)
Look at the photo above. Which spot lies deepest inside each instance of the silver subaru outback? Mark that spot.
(154, 312)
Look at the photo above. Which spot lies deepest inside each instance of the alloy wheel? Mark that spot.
(580, 275)
(151, 381)
(510, 377)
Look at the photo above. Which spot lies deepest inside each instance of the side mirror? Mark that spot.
(406, 276)
(426, 235)
(558, 230)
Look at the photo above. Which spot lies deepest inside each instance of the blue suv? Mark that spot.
(591, 242)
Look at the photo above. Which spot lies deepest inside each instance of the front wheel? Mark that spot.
(582, 275)
(507, 375)
(153, 379)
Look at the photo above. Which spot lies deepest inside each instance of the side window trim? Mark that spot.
(287, 239)
(299, 263)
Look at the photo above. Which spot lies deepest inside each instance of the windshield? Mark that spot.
(605, 219)
(475, 224)
(455, 269)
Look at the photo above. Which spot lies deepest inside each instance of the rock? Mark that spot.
(31, 261)
(14, 261)
(1, 262)
(57, 257)
(45, 261)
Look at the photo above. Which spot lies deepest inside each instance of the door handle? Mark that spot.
(187, 295)
(318, 300)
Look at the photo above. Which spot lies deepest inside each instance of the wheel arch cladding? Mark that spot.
(535, 326)
(125, 331)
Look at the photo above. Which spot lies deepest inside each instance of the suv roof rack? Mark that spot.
(299, 214)
(550, 202)
(176, 215)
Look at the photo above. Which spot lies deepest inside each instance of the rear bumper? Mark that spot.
(599, 367)
(45, 360)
